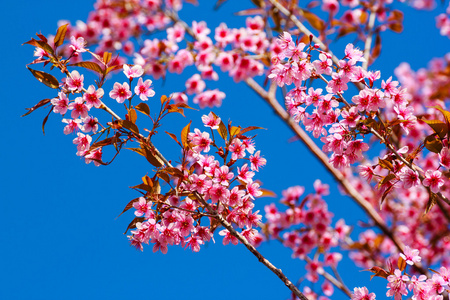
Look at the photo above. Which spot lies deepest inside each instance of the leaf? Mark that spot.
(107, 57)
(184, 105)
(385, 164)
(396, 27)
(45, 120)
(144, 187)
(148, 155)
(151, 157)
(401, 264)
(314, 20)
(47, 79)
(41, 44)
(147, 180)
(433, 144)
(164, 177)
(223, 130)
(431, 202)
(173, 172)
(128, 206)
(235, 130)
(112, 68)
(132, 225)
(39, 104)
(164, 99)
(379, 272)
(93, 66)
(388, 178)
(386, 192)
(129, 125)
(185, 134)
(174, 137)
(132, 116)
(143, 108)
(250, 128)
(343, 31)
(445, 113)
(376, 50)
(267, 193)
(174, 108)
(105, 142)
(60, 35)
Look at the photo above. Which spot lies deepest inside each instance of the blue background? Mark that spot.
(60, 235)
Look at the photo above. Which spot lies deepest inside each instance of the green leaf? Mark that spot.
(60, 35)
(47, 79)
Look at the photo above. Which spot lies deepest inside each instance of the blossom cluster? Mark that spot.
(80, 107)
(306, 226)
(229, 188)
(400, 283)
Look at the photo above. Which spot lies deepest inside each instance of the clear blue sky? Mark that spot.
(59, 233)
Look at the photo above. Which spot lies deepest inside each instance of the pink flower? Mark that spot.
(444, 156)
(83, 143)
(200, 140)
(211, 121)
(78, 45)
(61, 104)
(353, 54)
(362, 294)
(433, 180)
(228, 237)
(95, 156)
(257, 161)
(75, 81)
(133, 72)
(120, 92)
(410, 178)
(71, 126)
(411, 256)
(195, 85)
(90, 124)
(397, 285)
(92, 97)
(79, 109)
(144, 89)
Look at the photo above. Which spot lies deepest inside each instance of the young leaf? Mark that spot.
(128, 206)
(401, 264)
(47, 79)
(39, 104)
(223, 130)
(93, 66)
(132, 116)
(132, 225)
(60, 35)
(174, 137)
(433, 144)
(107, 57)
(184, 135)
(314, 20)
(143, 108)
(129, 125)
(431, 202)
